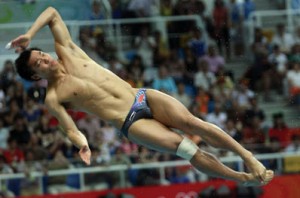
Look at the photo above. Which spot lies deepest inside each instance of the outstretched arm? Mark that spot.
(69, 127)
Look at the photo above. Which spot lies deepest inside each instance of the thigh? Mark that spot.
(154, 135)
(168, 110)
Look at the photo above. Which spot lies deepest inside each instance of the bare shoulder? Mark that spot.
(51, 98)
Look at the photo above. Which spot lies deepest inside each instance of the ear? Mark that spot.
(35, 77)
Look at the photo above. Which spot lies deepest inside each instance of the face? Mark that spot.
(41, 62)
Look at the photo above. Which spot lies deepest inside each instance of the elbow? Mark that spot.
(52, 11)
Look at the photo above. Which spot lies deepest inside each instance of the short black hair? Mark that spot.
(22, 67)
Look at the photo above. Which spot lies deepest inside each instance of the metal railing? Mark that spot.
(121, 169)
(112, 28)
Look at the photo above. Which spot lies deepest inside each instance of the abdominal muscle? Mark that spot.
(104, 95)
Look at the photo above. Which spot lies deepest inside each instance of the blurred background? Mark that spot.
(234, 63)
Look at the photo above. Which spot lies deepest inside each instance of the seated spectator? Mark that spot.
(144, 44)
(197, 43)
(91, 124)
(214, 60)
(279, 61)
(20, 131)
(203, 77)
(293, 77)
(96, 12)
(13, 154)
(182, 96)
(36, 92)
(31, 111)
(242, 95)
(161, 50)
(254, 136)
(294, 55)
(260, 76)
(279, 130)
(164, 81)
(141, 8)
(135, 71)
(201, 102)
(217, 117)
(259, 44)
(232, 130)
(283, 39)
(4, 134)
(252, 111)
(294, 146)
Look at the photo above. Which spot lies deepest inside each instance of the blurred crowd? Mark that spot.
(191, 67)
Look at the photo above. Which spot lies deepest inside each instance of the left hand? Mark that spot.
(21, 43)
(85, 154)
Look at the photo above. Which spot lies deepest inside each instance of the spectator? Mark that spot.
(182, 96)
(248, 8)
(31, 111)
(161, 50)
(4, 134)
(201, 103)
(116, 9)
(13, 154)
(144, 44)
(91, 125)
(260, 74)
(36, 92)
(236, 26)
(254, 135)
(197, 43)
(294, 56)
(141, 8)
(164, 81)
(279, 130)
(217, 117)
(203, 77)
(293, 77)
(242, 95)
(294, 146)
(214, 60)
(221, 26)
(279, 61)
(252, 111)
(283, 39)
(135, 71)
(259, 44)
(20, 131)
(232, 130)
(7, 75)
(96, 11)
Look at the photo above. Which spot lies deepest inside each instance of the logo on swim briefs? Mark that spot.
(141, 98)
(132, 116)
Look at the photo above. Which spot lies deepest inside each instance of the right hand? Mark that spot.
(21, 43)
(85, 155)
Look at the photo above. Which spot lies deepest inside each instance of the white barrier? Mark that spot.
(154, 165)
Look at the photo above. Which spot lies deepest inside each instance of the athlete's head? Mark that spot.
(33, 64)
(22, 65)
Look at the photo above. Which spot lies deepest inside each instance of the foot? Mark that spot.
(258, 175)
(251, 180)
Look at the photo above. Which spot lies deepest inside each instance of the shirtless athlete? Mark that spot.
(145, 116)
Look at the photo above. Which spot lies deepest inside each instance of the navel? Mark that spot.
(85, 65)
(75, 93)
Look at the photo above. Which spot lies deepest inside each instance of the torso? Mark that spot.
(93, 89)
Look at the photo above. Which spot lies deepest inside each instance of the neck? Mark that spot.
(58, 73)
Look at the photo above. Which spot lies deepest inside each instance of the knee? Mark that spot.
(186, 149)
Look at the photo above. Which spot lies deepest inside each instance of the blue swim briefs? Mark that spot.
(139, 110)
